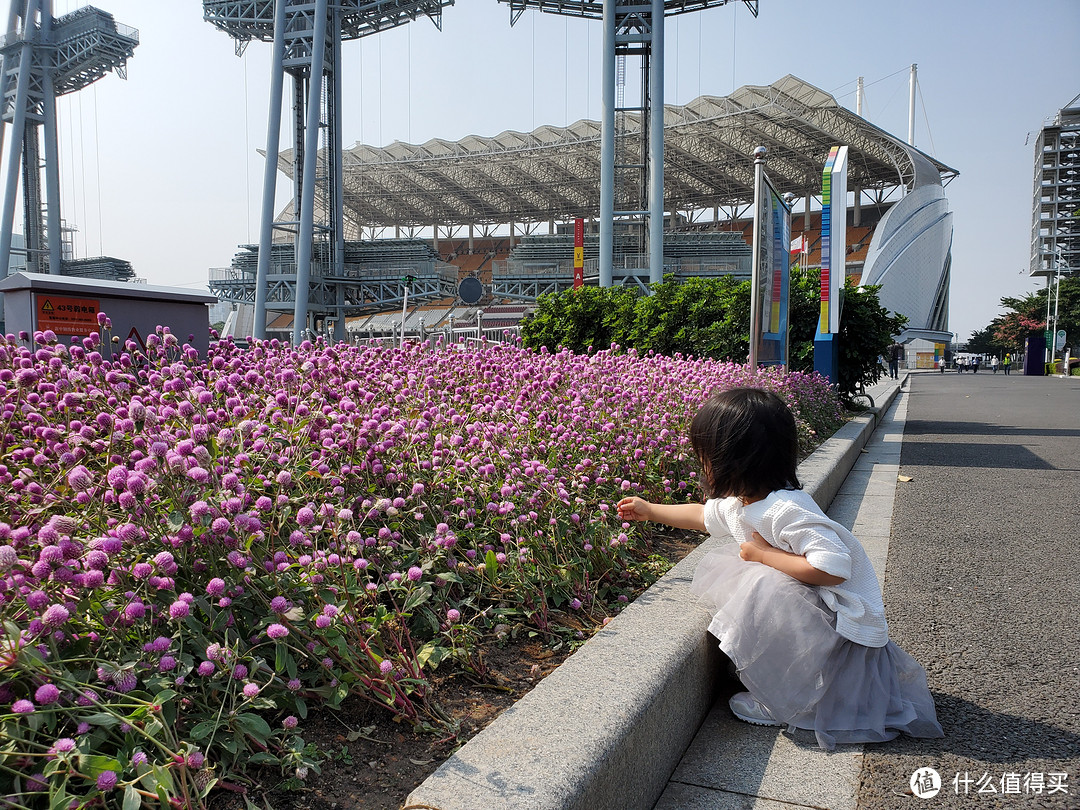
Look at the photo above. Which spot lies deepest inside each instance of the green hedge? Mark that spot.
(710, 317)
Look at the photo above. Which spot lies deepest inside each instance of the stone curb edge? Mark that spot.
(607, 728)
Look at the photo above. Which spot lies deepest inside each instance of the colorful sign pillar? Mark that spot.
(833, 258)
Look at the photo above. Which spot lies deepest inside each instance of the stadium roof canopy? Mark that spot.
(553, 173)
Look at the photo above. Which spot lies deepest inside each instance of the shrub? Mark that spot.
(711, 318)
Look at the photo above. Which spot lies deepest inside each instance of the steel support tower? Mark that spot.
(42, 57)
(307, 37)
(631, 174)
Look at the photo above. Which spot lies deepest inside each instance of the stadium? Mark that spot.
(530, 186)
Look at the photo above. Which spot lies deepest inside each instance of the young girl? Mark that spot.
(798, 607)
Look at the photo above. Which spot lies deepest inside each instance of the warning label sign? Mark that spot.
(66, 316)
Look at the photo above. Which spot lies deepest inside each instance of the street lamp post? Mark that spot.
(1057, 299)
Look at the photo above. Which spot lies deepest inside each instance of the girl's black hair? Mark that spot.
(746, 441)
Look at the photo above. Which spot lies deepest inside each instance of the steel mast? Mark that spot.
(631, 175)
(44, 57)
(307, 37)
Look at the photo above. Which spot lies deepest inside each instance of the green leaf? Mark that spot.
(176, 522)
(252, 724)
(281, 653)
(164, 696)
(490, 563)
(301, 708)
(338, 695)
(432, 655)
(417, 598)
(203, 729)
(163, 780)
(60, 800)
(262, 758)
(93, 765)
(132, 799)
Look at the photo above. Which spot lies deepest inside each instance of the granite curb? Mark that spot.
(606, 729)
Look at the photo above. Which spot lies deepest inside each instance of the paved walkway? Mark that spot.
(981, 585)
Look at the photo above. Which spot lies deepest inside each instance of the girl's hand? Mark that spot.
(752, 549)
(633, 509)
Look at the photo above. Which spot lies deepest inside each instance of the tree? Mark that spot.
(1026, 315)
(866, 330)
(984, 341)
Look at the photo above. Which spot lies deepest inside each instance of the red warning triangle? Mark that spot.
(134, 333)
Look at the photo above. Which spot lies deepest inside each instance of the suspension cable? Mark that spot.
(97, 165)
(922, 101)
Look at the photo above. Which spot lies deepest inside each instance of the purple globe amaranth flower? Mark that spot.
(251, 690)
(64, 745)
(138, 758)
(415, 573)
(167, 663)
(290, 722)
(55, 615)
(385, 667)
(279, 604)
(453, 615)
(47, 693)
(125, 682)
(179, 609)
(207, 668)
(293, 684)
(305, 517)
(215, 587)
(106, 781)
(276, 631)
(195, 760)
(80, 478)
(22, 707)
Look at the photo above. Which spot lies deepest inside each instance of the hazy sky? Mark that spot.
(163, 169)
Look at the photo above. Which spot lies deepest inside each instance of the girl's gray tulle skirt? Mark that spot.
(782, 640)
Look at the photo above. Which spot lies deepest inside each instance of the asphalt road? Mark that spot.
(983, 588)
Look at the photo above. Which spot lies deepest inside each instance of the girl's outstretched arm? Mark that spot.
(794, 565)
(678, 515)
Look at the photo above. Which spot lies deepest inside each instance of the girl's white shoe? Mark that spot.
(746, 707)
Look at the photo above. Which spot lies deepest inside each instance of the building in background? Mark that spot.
(1055, 218)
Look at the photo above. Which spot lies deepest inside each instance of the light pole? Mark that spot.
(1057, 299)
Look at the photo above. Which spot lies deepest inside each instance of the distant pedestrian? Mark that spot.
(994, 363)
(1006, 363)
(799, 609)
(975, 364)
(959, 365)
(896, 354)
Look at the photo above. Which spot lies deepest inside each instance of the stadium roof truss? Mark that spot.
(553, 173)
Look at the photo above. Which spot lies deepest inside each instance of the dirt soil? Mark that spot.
(372, 763)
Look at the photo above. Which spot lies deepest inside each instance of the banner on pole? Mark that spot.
(772, 238)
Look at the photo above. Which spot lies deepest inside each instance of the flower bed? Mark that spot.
(195, 551)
